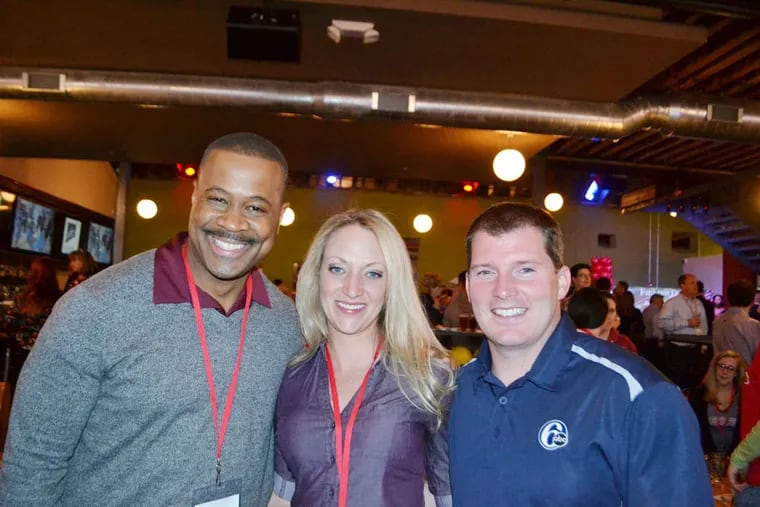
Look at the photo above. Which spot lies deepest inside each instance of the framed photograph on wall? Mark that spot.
(72, 231)
(99, 242)
(32, 227)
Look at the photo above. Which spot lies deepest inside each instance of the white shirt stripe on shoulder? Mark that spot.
(634, 388)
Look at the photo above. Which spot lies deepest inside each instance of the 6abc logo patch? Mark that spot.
(553, 435)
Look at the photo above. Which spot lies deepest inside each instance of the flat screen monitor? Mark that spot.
(99, 242)
(72, 231)
(32, 227)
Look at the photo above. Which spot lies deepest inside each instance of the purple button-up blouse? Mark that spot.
(395, 445)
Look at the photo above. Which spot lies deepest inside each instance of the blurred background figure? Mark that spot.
(23, 321)
(720, 305)
(581, 276)
(650, 314)
(444, 298)
(433, 311)
(753, 311)
(620, 288)
(81, 267)
(40, 293)
(717, 400)
(603, 283)
(735, 329)
(282, 287)
(631, 319)
(595, 313)
(746, 454)
(459, 304)
(709, 306)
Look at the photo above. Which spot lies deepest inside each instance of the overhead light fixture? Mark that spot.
(288, 217)
(147, 209)
(554, 201)
(509, 165)
(341, 28)
(422, 223)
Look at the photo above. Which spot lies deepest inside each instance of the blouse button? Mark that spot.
(331, 492)
(503, 400)
(332, 459)
(332, 425)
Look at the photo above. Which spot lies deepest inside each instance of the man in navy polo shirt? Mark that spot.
(546, 415)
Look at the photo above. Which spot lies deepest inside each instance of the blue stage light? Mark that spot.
(591, 190)
(331, 180)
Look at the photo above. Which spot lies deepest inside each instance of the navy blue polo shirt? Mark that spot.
(589, 424)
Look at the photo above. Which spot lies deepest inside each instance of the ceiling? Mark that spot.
(574, 51)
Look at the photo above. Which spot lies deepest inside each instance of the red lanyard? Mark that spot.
(343, 450)
(218, 431)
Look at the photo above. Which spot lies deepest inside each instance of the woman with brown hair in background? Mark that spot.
(81, 267)
(32, 306)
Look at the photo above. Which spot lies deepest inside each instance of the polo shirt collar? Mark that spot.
(547, 370)
(170, 283)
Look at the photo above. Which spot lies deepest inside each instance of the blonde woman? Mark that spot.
(361, 413)
(717, 402)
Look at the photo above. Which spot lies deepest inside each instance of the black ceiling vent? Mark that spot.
(263, 34)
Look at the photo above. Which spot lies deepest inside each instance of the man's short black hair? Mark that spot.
(603, 283)
(588, 308)
(740, 293)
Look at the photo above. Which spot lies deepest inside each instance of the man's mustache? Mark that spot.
(231, 236)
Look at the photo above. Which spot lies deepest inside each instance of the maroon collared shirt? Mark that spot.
(170, 281)
(395, 445)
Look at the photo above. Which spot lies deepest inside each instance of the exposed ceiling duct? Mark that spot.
(698, 118)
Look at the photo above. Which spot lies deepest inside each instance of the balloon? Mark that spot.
(461, 355)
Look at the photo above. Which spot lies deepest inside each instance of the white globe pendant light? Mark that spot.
(422, 223)
(147, 209)
(509, 165)
(553, 201)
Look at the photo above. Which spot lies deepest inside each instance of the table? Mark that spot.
(704, 339)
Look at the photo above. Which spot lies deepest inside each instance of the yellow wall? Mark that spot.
(88, 183)
(442, 249)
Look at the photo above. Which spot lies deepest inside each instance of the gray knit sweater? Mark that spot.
(112, 407)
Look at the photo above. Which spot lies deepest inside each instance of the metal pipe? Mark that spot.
(702, 118)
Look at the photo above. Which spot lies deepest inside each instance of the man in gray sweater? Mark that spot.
(154, 383)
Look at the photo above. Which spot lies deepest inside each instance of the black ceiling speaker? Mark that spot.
(263, 34)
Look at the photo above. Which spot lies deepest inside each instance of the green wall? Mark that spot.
(636, 256)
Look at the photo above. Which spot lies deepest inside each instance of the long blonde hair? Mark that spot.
(710, 380)
(410, 349)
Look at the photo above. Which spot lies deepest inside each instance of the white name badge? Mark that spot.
(227, 494)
